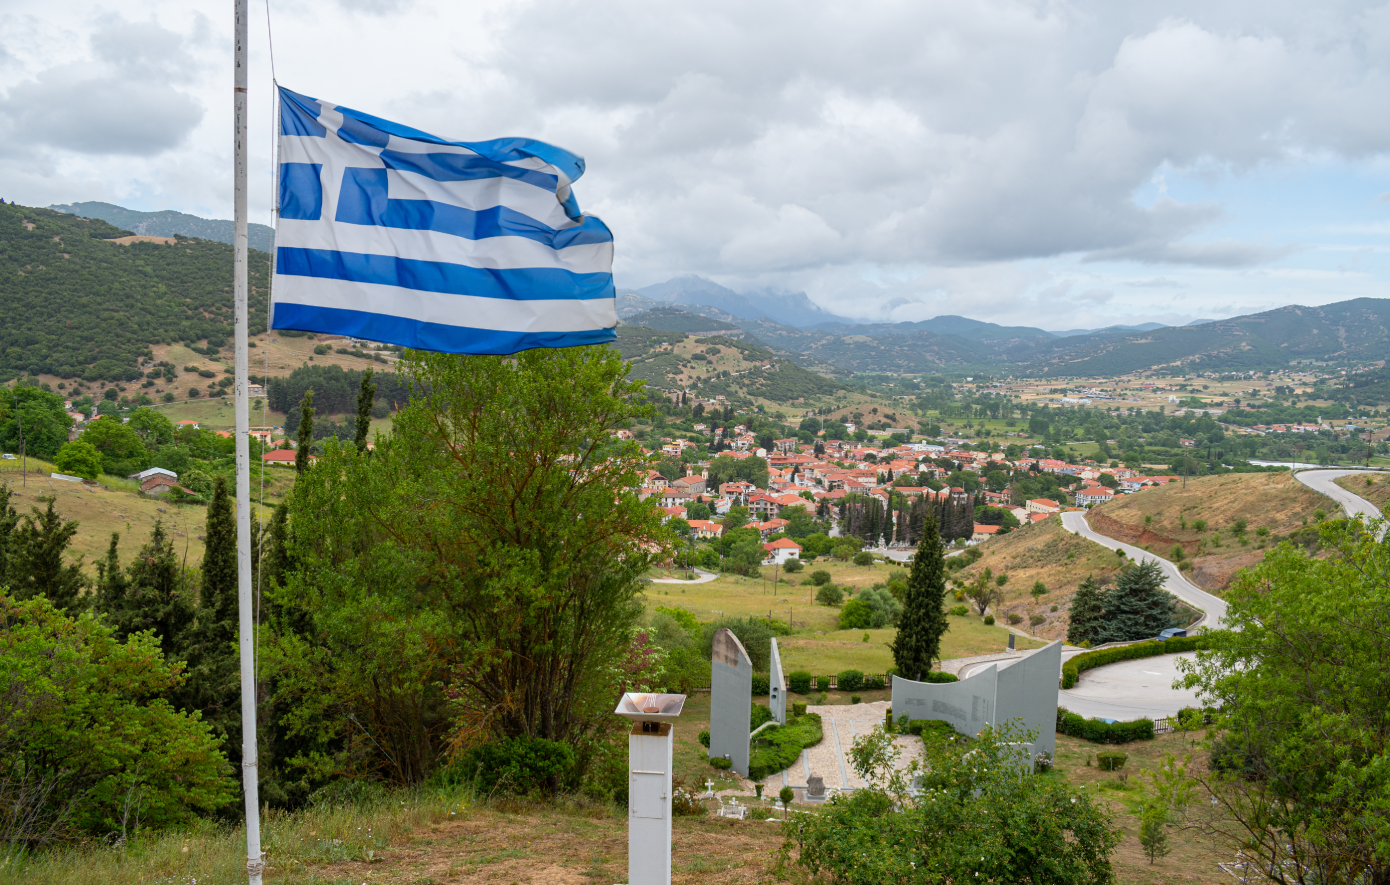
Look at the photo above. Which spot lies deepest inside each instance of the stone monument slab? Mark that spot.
(731, 700)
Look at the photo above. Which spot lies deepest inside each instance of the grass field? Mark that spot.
(1375, 489)
(1046, 552)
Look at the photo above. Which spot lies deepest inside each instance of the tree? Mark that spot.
(88, 747)
(305, 440)
(79, 458)
(1299, 749)
(122, 450)
(923, 620)
(1087, 614)
(9, 519)
(111, 581)
(1039, 591)
(36, 566)
(154, 428)
(983, 592)
(364, 410)
(736, 518)
(856, 615)
(482, 578)
(829, 594)
(727, 468)
(966, 812)
(35, 415)
(156, 597)
(1137, 607)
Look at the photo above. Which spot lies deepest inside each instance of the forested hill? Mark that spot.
(75, 304)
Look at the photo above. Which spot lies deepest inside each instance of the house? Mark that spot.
(281, 458)
(705, 529)
(984, 532)
(1093, 495)
(676, 512)
(691, 485)
(784, 445)
(153, 471)
(1038, 517)
(182, 424)
(771, 527)
(159, 484)
(779, 551)
(671, 497)
(1043, 505)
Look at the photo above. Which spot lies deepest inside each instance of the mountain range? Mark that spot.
(168, 222)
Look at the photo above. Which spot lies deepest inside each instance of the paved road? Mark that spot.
(1324, 481)
(1175, 582)
(705, 577)
(1130, 690)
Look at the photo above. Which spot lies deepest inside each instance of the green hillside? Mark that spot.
(671, 319)
(168, 222)
(76, 305)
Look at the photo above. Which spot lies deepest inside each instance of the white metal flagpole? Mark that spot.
(254, 863)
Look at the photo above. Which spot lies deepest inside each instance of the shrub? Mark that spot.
(849, 680)
(873, 683)
(721, 763)
(799, 681)
(863, 557)
(517, 765)
(786, 795)
(776, 748)
(1073, 668)
(1100, 732)
(762, 684)
(1015, 618)
(822, 686)
(684, 801)
(1035, 620)
(989, 620)
(960, 611)
(799, 708)
(792, 566)
(929, 727)
(1111, 760)
(760, 714)
(829, 594)
(856, 615)
(939, 677)
(854, 699)
(820, 577)
(704, 739)
(321, 349)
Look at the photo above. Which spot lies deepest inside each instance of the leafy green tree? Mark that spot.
(88, 747)
(79, 458)
(923, 620)
(983, 592)
(856, 615)
(122, 449)
(1299, 769)
(36, 566)
(736, 518)
(966, 812)
(829, 594)
(210, 647)
(37, 416)
(726, 468)
(483, 574)
(364, 410)
(306, 434)
(154, 428)
(9, 519)
(1137, 607)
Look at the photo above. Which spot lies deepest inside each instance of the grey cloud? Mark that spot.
(1157, 283)
(1220, 254)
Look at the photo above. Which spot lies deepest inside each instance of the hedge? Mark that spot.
(1071, 670)
(762, 683)
(1100, 732)
(849, 680)
(778, 747)
(926, 727)
(799, 681)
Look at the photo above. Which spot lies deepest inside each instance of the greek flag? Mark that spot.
(390, 234)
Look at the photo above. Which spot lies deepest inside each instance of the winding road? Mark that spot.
(1325, 482)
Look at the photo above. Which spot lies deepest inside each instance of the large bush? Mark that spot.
(517, 765)
(799, 681)
(849, 680)
(1101, 732)
(856, 615)
(88, 745)
(776, 749)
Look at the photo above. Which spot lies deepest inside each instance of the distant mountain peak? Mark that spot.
(168, 222)
(787, 308)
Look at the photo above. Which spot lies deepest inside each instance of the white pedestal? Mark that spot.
(649, 804)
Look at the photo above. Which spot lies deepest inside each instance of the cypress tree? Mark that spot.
(156, 596)
(1087, 615)
(218, 597)
(111, 579)
(9, 518)
(923, 620)
(35, 566)
(306, 433)
(1137, 607)
(212, 653)
(365, 396)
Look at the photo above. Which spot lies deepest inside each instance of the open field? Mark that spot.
(1046, 552)
(1375, 489)
(1202, 518)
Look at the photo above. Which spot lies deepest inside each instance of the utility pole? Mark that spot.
(23, 459)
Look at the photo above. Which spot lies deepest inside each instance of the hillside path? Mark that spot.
(1325, 482)
(1175, 581)
(705, 578)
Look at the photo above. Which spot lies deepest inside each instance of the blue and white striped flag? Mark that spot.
(394, 235)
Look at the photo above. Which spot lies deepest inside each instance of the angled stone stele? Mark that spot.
(777, 688)
(731, 700)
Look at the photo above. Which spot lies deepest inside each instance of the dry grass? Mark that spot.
(1375, 489)
(1043, 551)
(1161, 519)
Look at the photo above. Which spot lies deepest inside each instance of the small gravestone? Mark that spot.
(815, 788)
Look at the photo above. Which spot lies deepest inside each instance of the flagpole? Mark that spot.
(254, 863)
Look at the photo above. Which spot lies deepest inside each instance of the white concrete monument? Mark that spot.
(777, 687)
(649, 785)
(1024, 689)
(731, 700)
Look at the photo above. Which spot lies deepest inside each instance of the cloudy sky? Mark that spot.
(1055, 164)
